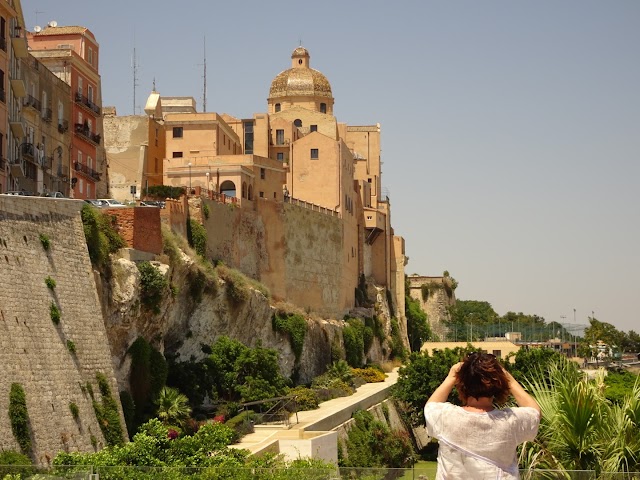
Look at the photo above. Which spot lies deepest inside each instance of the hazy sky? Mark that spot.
(510, 130)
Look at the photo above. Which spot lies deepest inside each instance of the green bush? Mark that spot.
(241, 424)
(15, 466)
(353, 337)
(45, 241)
(107, 413)
(129, 411)
(75, 411)
(197, 238)
(294, 326)
(71, 346)
(153, 285)
(54, 312)
(206, 211)
(369, 375)
(164, 191)
(306, 398)
(19, 417)
(397, 346)
(101, 237)
(50, 283)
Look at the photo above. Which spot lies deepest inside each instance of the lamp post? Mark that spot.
(207, 174)
(189, 178)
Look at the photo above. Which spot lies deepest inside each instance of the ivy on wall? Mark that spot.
(107, 413)
(19, 417)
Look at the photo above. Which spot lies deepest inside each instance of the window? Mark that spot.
(177, 132)
(2, 93)
(261, 194)
(89, 162)
(263, 173)
(323, 108)
(80, 185)
(297, 122)
(80, 88)
(314, 154)
(279, 137)
(177, 154)
(248, 137)
(80, 158)
(60, 112)
(314, 128)
(90, 93)
(90, 56)
(280, 156)
(88, 190)
(277, 108)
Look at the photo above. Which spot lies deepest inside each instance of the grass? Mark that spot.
(421, 468)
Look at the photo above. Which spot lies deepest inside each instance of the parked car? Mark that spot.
(152, 203)
(111, 203)
(94, 202)
(53, 195)
(18, 192)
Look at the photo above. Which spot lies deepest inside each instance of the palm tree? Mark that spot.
(580, 429)
(173, 406)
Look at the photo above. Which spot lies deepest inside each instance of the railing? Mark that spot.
(311, 206)
(84, 101)
(46, 162)
(27, 150)
(83, 130)
(86, 170)
(278, 411)
(47, 115)
(31, 101)
(63, 125)
(221, 197)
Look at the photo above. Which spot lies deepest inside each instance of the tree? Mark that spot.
(418, 329)
(422, 374)
(173, 407)
(466, 314)
(527, 363)
(603, 332)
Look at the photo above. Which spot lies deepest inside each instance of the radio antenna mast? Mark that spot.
(204, 89)
(134, 67)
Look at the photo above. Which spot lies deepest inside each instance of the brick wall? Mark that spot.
(139, 226)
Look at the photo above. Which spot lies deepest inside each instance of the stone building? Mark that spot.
(72, 53)
(297, 153)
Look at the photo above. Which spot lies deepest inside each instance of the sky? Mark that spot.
(510, 130)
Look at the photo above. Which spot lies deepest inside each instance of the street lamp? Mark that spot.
(207, 174)
(189, 178)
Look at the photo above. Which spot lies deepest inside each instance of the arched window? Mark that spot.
(228, 188)
(323, 108)
(244, 189)
(277, 107)
(297, 122)
(250, 193)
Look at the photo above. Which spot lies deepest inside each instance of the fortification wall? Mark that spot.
(34, 350)
(139, 226)
(436, 305)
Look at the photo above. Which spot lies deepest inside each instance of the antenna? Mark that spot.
(204, 87)
(37, 12)
(134, 67)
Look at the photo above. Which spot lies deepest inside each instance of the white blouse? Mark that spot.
(480, 445)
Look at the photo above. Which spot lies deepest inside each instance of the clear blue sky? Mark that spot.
(511, 130)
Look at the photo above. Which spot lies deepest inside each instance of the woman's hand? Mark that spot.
(442, 392)
(454, 369)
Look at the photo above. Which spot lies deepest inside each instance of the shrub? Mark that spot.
(164, 191)
(50, 283)
(45, 241)
(102, 238)
(205, 211)
(397, 347)
(148, 376)
(369, 375)
(71, 346)
(17, 466)
(353, 336)
(107, 413)
(306, 398)
(19, 417)
(129, 411)
(198, 238)
(75, 411)
(152, 286)
(237, 291)
(54, 312)
(294, 326)
(241, 424)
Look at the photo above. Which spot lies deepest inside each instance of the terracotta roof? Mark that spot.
(63, 31)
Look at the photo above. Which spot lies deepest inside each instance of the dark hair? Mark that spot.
(481, 375)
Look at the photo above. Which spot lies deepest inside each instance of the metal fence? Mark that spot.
(219, 473)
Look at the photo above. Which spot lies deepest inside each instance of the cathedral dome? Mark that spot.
(300, 80)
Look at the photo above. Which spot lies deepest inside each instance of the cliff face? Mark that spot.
(186, 321)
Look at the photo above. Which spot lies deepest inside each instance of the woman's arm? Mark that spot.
(523, 399)
(441, 394)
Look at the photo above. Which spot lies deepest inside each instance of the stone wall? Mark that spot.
(33, 350)
(436, 306)
(139, 226)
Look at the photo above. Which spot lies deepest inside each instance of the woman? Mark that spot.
(478, 440)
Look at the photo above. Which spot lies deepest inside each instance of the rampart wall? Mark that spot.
(34, 351)
(139, 226)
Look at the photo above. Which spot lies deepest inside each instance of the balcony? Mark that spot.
(47, 115)
(19, 88)
(89, 172)
(28, 151)
(19, 42)
(32, 102)
(63, 125)
(83, 131)
(17, 128)
(88, 104)
(375, 223)
(46, 163)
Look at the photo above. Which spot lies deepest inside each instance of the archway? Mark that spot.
(228, 188)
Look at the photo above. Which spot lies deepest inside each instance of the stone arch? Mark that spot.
(228, 188)
(244, 189)
(250, 192)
